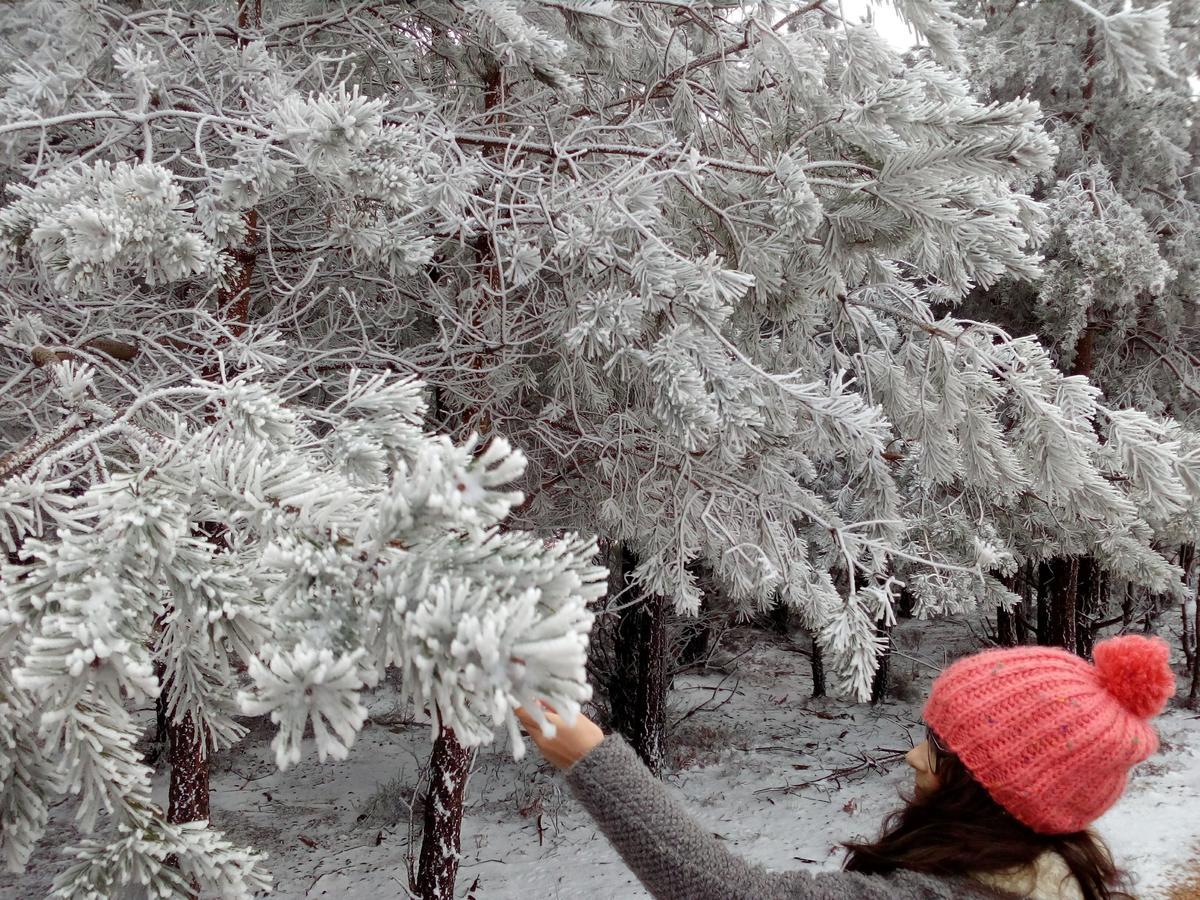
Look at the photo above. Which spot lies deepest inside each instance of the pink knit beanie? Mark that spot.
(1049, 735)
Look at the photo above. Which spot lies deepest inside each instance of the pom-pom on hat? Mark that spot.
(1050, 736)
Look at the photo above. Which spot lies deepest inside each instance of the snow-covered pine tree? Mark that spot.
(689, 258)
(669, 348)
(349, 540)
(1117, 297)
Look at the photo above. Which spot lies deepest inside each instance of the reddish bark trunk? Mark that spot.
(448, 769)
(188, 793)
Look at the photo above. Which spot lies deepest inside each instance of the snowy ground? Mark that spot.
(753, 759)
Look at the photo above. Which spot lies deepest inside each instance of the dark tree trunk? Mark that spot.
(187, 753)
(449, 766)
(1064, 596)
(1152, 611)
(162, 725)
(1069, 617)
(1188, 644)
(1194, 691)
(188, 791)
(1006, 632)
(1087, 611)
(818, 669)
(638, 686)
(883, 674)
(1043, 604)
(1187, 559)
(1026, 589)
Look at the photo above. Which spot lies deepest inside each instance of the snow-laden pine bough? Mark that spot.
(313, 554)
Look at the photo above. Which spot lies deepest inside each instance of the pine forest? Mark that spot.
(378, 377)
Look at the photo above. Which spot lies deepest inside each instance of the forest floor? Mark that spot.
(782, 778)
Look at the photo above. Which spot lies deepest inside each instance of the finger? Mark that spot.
(524, 717)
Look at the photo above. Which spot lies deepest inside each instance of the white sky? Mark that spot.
(886, 21)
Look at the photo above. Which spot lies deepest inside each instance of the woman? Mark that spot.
(1026, 748)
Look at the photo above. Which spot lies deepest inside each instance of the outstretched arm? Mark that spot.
(671, 854)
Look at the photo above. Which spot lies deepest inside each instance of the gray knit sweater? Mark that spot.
(676, 859)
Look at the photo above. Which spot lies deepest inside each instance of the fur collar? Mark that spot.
(1048, 878)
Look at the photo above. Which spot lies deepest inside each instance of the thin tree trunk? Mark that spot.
(818, 669)
(1189, 644)
(450, 762)
(1194, 691)
(1006, 632)
(188, 757)
(449, 766)
(188, 791)
(1006, 625)
(1043, 604)
(1023, 609)
(638, 686)
(1185, 639)
(1065, 608)
(1089, 606)
(1187, 560)
(883, 674)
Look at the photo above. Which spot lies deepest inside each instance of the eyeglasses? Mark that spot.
(940, 750)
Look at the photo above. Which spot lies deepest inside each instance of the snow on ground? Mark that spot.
(754, 757)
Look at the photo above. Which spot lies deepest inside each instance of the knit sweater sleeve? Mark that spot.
(676, 859)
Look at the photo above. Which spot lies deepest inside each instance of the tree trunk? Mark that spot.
(188, 791)
(818, 669)
(449, 766)
(1006, 625)
(1022, 611)
(638, 686)
(162, 724)
(1089, 607)
(1185, 638)
(1194, 691)
(1006, 632)
(1043, 604)
(883, 674)
(1064, 595)
(1187, 560)
(1187, 643)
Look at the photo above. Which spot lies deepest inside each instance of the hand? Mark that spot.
(570, 743)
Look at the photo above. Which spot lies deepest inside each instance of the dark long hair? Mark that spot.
(959, 830)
